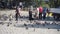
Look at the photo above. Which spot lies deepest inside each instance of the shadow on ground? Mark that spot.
(37, 25)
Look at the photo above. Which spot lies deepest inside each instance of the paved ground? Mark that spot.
(17, 30)
(24, 26)
(31, 28)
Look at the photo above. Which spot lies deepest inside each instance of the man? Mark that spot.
(44, 12)
(17, 13)
(40, 12)
(30, 14)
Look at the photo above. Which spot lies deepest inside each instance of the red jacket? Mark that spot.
(40, 9)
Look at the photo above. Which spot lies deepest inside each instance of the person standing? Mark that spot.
(48, 9)
(44, 12)
(40, 12)
(30, 14)
(17, 13)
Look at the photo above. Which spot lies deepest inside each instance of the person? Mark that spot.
(44, 12)
(30, 14)
(17, 13)
(37, 12)
(48, 11)
(40, 12)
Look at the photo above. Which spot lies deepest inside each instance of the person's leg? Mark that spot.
(44, 16)
(41, 16)
(16, 17)
(19, 15)
(30, 16)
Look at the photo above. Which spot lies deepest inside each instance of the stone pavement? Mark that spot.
(29, 28)
(22, 30)
(25, 27)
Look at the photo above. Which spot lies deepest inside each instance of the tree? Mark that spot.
(54, 3)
